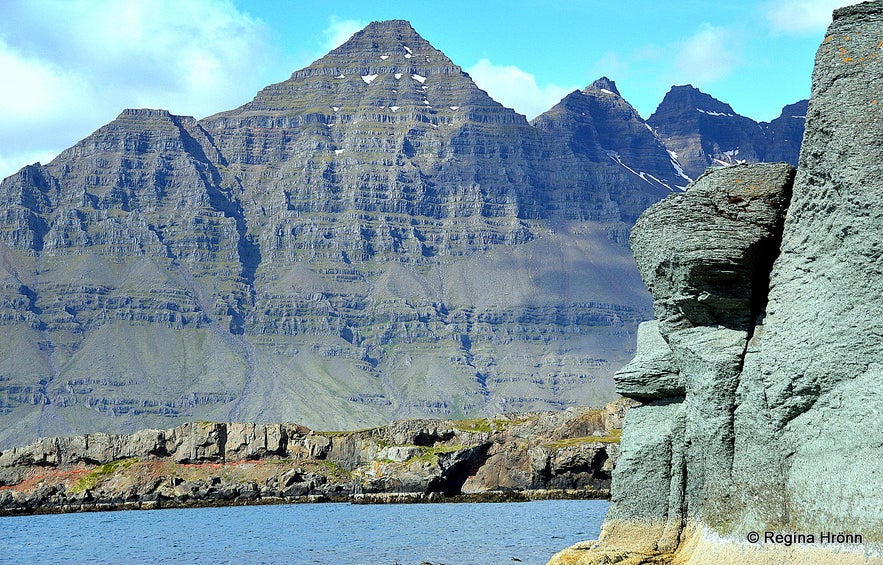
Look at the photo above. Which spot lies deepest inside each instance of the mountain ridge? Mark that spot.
(373, 238)
(701, 131)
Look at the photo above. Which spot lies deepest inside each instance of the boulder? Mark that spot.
(706, 253)
(653, 372)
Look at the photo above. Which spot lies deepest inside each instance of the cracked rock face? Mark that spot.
(706, 254)
(706, 257)
(816, 367)
(777, 427)
(653, 373)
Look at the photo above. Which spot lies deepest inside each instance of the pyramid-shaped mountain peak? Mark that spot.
(606, 84)
(603, 127)
(385, 69)
(385, 46)
(395, 30)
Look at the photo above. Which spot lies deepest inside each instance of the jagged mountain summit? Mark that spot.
(597, 123)
(701, 132)
(374, 238)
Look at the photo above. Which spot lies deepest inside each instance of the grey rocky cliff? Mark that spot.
(816, 363)
(777, 426)
(568, 454)
(706, 255)
(653, 373)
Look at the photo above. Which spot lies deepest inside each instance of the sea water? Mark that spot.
(452, 534)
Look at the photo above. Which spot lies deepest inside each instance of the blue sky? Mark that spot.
(70, 66)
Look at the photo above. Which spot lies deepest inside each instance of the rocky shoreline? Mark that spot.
(563, 455)
(40, 505)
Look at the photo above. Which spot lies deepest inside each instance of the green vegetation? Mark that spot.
(98, 474)
(613, 436)
(430, 454)
(487, 425)
(345, 433)
(336, 472)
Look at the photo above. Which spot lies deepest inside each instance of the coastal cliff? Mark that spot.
(567, 454)
(758, 439)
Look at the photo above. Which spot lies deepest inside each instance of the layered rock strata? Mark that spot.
(373, 239)
(598, 124)
(701, 132)
(759, 433)
(551, 455)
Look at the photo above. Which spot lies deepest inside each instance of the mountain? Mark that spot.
(785, 134)
(701, 132)
(598, 124)
(373, 238)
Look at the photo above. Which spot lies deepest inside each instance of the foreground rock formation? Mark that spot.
(759, 436)
(567, 454)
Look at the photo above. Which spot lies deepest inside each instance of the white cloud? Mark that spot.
(710, 54)
(43, 109)
(339, 31)
(517, 89)
(72, 65)
(38, 85)
(800, 17)
(707, 56)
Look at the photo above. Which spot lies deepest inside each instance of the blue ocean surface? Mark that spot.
(340, 534)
